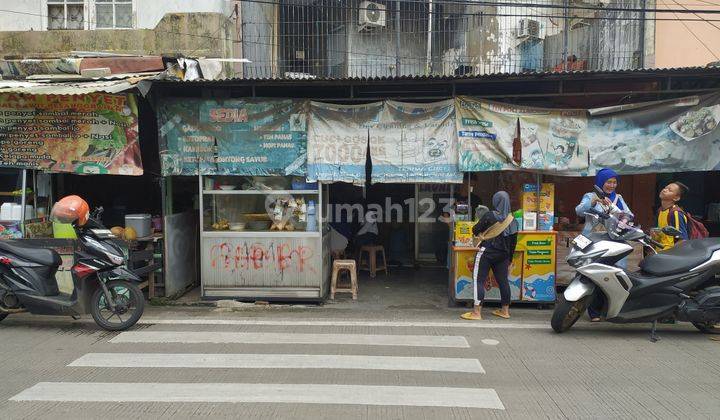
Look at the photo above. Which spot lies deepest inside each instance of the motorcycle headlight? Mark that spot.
(113, 253)
(579, 259)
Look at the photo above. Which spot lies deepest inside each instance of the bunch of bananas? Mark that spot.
(222, 224)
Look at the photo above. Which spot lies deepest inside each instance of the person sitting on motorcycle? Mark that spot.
(670, 214)
(496, 253)
(607, 180)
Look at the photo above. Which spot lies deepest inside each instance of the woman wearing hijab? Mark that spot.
(495, 254)
(607, 180)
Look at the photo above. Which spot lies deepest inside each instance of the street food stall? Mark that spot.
(261, 237)
(533, 268)
(47, 142)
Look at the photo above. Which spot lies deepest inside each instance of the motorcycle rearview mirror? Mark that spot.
(599, 192)
(671, 231)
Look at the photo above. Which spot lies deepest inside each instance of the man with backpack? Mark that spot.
(670, 214)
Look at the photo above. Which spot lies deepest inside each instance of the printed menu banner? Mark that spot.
(233, 137)
(185, 149)
(84, 134)
(338, 141)
(667, 136)
(550, 140)
(485, 135)
(415, 142)
(553, 140)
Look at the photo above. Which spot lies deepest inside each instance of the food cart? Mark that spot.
(533, 267)
(262, 238)
(531, 274)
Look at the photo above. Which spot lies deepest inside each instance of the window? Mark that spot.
(113, 14)
(66, 14)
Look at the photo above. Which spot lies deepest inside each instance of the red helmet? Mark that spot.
(70, 209)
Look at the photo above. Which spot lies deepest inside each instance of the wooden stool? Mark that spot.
(350, 266)
(371, 263)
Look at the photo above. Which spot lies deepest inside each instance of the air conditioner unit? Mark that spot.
(528, 28)
(371, 15)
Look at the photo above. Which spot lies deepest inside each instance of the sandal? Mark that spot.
(470, 316)
(500, 313)
(596, 319)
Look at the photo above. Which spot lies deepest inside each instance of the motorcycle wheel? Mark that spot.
(129, 306)
(707, 327)
(567, 313)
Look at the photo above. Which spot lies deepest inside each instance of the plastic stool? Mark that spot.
(351, 267)
(371, 262)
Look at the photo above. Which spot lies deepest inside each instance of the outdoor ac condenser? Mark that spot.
(528, 28)
(371, 15)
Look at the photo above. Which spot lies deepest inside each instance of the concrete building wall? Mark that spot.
(31, 15)
(197, 35)
(27, 16)
(150, 13)
(259, 25)
(687, 44)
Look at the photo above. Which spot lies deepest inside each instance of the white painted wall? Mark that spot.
(28, 16)
(149, 13)
(31, 14)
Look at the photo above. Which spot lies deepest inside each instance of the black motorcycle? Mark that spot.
(680, 283)
(102, 285)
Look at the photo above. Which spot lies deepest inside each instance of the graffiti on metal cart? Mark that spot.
(256, 256)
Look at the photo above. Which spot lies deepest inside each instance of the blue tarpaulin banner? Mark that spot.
(233, 137)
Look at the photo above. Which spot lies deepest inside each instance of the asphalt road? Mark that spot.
(329, 364)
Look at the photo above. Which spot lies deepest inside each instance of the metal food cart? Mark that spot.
(244, 256)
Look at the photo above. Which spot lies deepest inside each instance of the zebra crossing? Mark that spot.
(411, 395)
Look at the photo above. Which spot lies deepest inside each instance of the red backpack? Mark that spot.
(696, 229)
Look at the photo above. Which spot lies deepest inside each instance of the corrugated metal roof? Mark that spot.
(311, 78)
(111, 84)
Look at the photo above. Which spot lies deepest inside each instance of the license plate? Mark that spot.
(582, 242)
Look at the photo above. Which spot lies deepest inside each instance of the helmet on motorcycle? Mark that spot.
(70, 209)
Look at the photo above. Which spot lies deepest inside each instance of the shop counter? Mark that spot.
(532, 272)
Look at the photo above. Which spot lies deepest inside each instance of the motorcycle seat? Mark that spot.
(42, 256)
(681, 258)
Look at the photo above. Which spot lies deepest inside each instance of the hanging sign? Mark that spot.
(415, 143)
(338, 141)
(233, 137)
(668, 136)
(86, 134)
(496, 136)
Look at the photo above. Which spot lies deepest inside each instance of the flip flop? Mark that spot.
(499, 313)
(471, 316)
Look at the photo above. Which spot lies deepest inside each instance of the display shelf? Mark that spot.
(260, 192)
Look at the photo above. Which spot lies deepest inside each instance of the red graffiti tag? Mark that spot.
(256, 256)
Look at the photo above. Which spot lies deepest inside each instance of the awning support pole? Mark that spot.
(23, 200)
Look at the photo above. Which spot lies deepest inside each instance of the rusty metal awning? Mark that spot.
(50, 85)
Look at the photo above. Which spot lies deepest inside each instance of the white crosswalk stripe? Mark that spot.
(273, 393)
(289, 338)
(277, 361)
(305, 356)
(346, 323)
